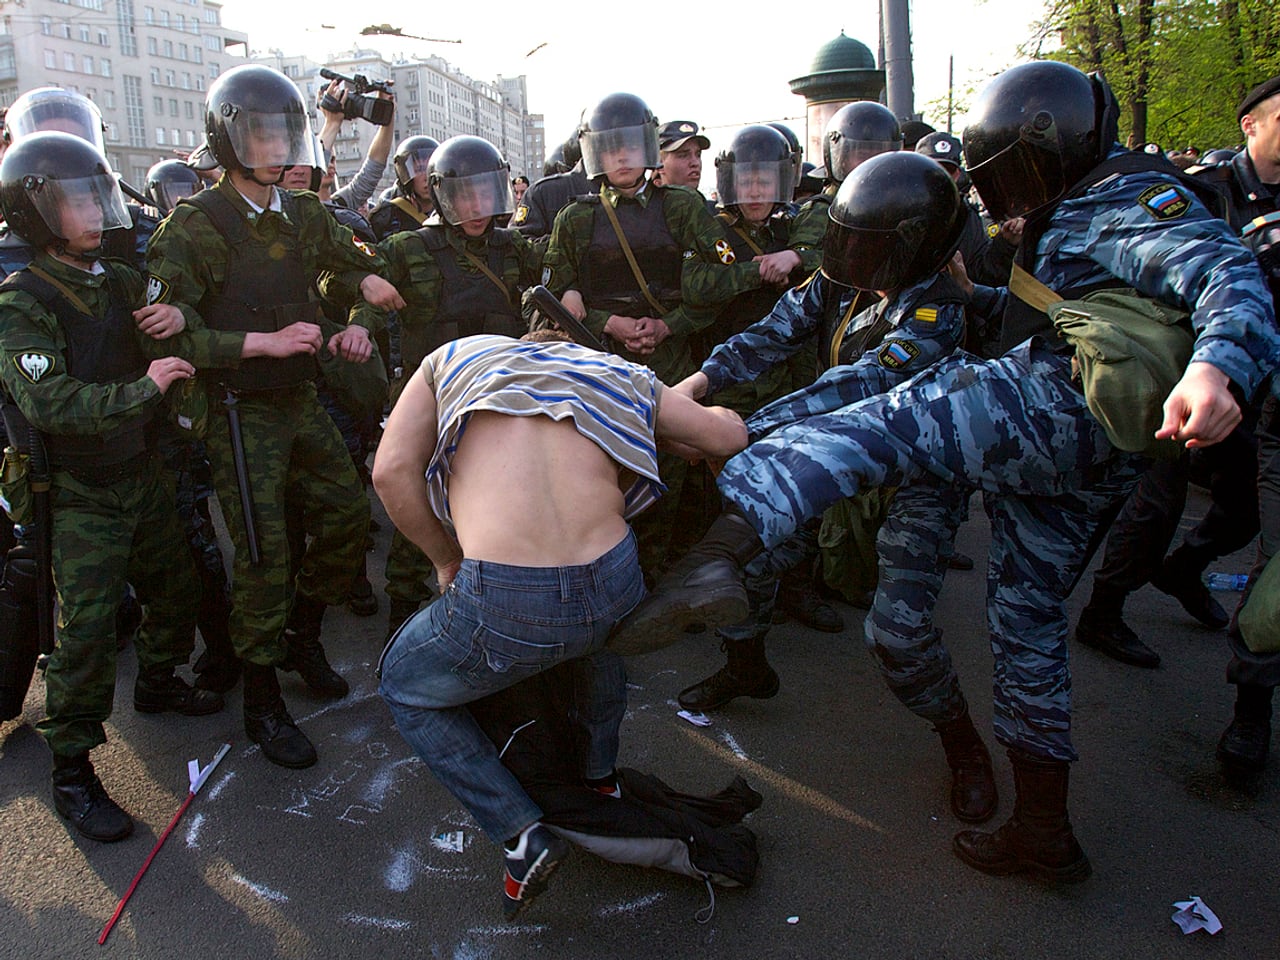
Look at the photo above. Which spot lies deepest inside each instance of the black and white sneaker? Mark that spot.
(536, 855)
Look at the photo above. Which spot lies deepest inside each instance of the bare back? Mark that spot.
(531, 491)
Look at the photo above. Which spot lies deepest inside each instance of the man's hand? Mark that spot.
(955, 269)
(159, 321)
(1201, 410)
(693, 386)
(572, 301)
(1011, 230)
(299, 337)
(445, 573)
(777, 267)
(381, 293)
(166, 370)
(634, 333)
(351, 343)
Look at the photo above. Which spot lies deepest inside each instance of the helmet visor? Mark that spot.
(487, 194)
(58, 110)
(755, 181)
(271, 139)
(606, 152)
(415, 162)
(75, 207)
(166, 194)
(846, 154)
(1023, 177)
(871, 259)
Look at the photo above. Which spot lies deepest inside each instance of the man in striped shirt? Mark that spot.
(515, 467)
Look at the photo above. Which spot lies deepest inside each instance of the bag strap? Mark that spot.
(62, 288)
(755, 247)
(480, 265)
(837, 340)
(1031, 291)
(631, 257)
(405, 205)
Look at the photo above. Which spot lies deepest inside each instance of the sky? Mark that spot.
(721, 65)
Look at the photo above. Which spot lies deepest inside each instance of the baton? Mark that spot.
(242, 476)
(546, 301)
(41, 499)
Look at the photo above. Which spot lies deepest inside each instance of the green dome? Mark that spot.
(843, 53)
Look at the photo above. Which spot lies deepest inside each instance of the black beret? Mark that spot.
(1259, 93)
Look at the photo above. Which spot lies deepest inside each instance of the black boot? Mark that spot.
(158, 691)
(304, 654)
(1180, 577)
(401, 610)
(1103, 628)
(218, 668)
(78, 795)
(267, 722)
(747, 674)
(1038, 838)
(973, 783)
(704, 587)
(1245, 743)
(361, 600)
(799, 599)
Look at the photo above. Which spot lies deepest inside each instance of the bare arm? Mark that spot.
(399, 476)
(684, 425)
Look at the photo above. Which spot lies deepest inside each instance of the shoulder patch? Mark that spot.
(546, 276)
(725, 252)
(35, 364)
(157, 291)
(927, 314)
(1164, 201)
(993, 229)
(896, 354)
(521, 215)
(363, 247)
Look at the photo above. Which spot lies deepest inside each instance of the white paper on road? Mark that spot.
(196, 777)
(697, 719)
(1193, 915)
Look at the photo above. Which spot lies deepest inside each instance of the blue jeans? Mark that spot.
(495, 626)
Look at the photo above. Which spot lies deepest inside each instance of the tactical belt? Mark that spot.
(106, 476)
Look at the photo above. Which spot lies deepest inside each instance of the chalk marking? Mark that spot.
(193, 831)
(382, 923)
(263, 891)
(218, 787)
(641, 904)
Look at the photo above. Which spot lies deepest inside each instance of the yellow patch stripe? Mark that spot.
(927, 315)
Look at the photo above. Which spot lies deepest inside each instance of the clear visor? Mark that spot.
(73, 208)
(58, 111)
(167, 195)
(271, 139)
(460, 199)
(624, 148)
(752, 182)
(415, 163)
(1021, 178)
(847, 154)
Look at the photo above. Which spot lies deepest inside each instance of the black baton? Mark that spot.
(242, 476)
(546, 301)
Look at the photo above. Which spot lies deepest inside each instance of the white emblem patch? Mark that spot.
(942, 146)
(34, 365)
(156, 288)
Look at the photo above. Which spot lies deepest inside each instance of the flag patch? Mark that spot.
(1164, 202)
(896, 354)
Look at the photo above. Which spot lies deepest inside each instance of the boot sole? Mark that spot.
(646, 631)
(1076, 872)
(168, 708)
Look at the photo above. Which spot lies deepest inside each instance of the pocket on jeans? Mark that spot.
(496, 654)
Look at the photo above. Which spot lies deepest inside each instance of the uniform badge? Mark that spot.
(896, 354)
(725, 252)
(993, 229)
(942, 146)
(1164, 202)
(927, 314)
(157, 291)
(34, 365)
(688, 255)
(546, 276)
(522, 214)
(363, 247)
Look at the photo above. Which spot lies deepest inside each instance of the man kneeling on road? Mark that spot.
(515, 467)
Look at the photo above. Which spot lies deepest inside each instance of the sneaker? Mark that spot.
(536, 855)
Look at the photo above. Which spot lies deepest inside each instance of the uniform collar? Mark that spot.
(242, 203)
(616, 196)
(81, 276)
(1254, 189)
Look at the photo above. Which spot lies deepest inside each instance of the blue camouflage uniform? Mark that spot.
(1017, 427)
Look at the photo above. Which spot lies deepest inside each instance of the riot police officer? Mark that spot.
(170, 181)
(410, 203)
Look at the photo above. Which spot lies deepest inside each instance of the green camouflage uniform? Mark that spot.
(292, 447)
(108, 529)
(416, 274)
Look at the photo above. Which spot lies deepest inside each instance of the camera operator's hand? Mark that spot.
(335, 92)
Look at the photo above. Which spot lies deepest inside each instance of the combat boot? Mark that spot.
(1038, 838)
(401, 610)
(704, 587)
(361, 601)
(304, 655)
(267, 721)
(746, 674)
(799, 599)
(160, 690)
(1246, 742)
(78, 796)
(1104, 629)
(1179, 577)
(973, 782)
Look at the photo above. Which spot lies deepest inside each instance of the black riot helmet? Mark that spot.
(797, 151)
(555, 162)
(572, 149)
(619, 132)
(168, 182)
(1035, 132)
(412, 158)
(857, 132)
(756, 167)
(470, 180)
(55, 187)
(896, 220)
(52, 108)
(254, 117)
(1221, 155)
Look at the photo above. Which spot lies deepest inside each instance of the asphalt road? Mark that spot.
(340, 860)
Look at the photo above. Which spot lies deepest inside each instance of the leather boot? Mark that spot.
(158, 691)
(799, 599)
(267, 722)
(747, 674)
(1246, 742)
(401, 610)
(973, 783)
(78, 795)
(218, 668)
(704, 587)
(1038, 838)
(304, 655)
(1104, 629)
(1180, 577)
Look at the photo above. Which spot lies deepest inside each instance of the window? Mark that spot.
(87, 63)
(133, 110)
(109, 99)
(155, 74)
(173, 107)
(191, 137)
(168, 78)
(113, 134)
(124, 18)
(183, 52)
(197, 54)
(186, 80)
(180, 22)
(177, 137)
(104, 38)
(160, 136)
(190, 110)
(213, 43)
(46, 26)
(148, 16)
(168, 48)
(210, 15)
(200, 82)
(104, 67)
(158, 104)
(84, 34)
(153, 46)
(213, 71)
(51, 60)
(69, 61)
(164, 18)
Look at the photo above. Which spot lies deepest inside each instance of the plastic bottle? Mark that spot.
(1228, 581)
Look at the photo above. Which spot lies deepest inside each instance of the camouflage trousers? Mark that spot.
(294, 453)
(408, 570)
(104, 537)
(1016, 428)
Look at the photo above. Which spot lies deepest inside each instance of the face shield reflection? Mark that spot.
(271, 139)
(624, 148)
(462, 199)
(72, 208)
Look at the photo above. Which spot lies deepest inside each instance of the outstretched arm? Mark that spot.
(693, 431)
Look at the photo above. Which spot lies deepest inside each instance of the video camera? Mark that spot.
(359, 106)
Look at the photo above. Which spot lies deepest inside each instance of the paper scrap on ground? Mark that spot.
(1193, 915)
(793, 920)
(452, 841)
(697, 719)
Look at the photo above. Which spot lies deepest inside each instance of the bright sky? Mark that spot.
(720, 64)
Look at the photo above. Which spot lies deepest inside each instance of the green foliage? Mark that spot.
(1178, 67)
